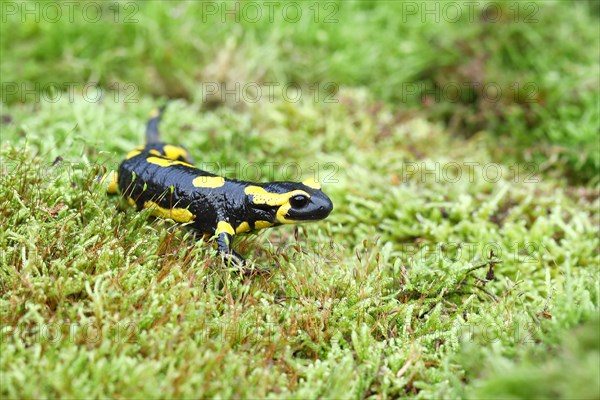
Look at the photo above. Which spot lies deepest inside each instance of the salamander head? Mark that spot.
(289, 202)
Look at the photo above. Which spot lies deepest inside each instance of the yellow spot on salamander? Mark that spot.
(113, 182)
(165, 162)
(225, 227)
(243, 227)
(312, 183)
(261, 196)
(132, 154)
(174, 152)
(282, 212)
(208, 181)
(154, 113)
(113, 186)
(176, 214)
(262, 224)
(155, 152)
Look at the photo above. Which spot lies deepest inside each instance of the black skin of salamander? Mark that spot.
(171, 187)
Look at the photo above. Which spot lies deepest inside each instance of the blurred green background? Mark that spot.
(524, 72)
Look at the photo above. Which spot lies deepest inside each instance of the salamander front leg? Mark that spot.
(225, 234)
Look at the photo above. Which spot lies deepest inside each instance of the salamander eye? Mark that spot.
(299, 201)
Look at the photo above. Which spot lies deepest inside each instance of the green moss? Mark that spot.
(387, 293)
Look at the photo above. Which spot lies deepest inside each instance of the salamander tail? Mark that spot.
(152, 133)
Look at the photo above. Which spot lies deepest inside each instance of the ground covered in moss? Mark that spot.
(461, 259)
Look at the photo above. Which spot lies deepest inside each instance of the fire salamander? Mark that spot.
(161, 177)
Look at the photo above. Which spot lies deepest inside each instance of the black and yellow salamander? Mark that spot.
(161, 177)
